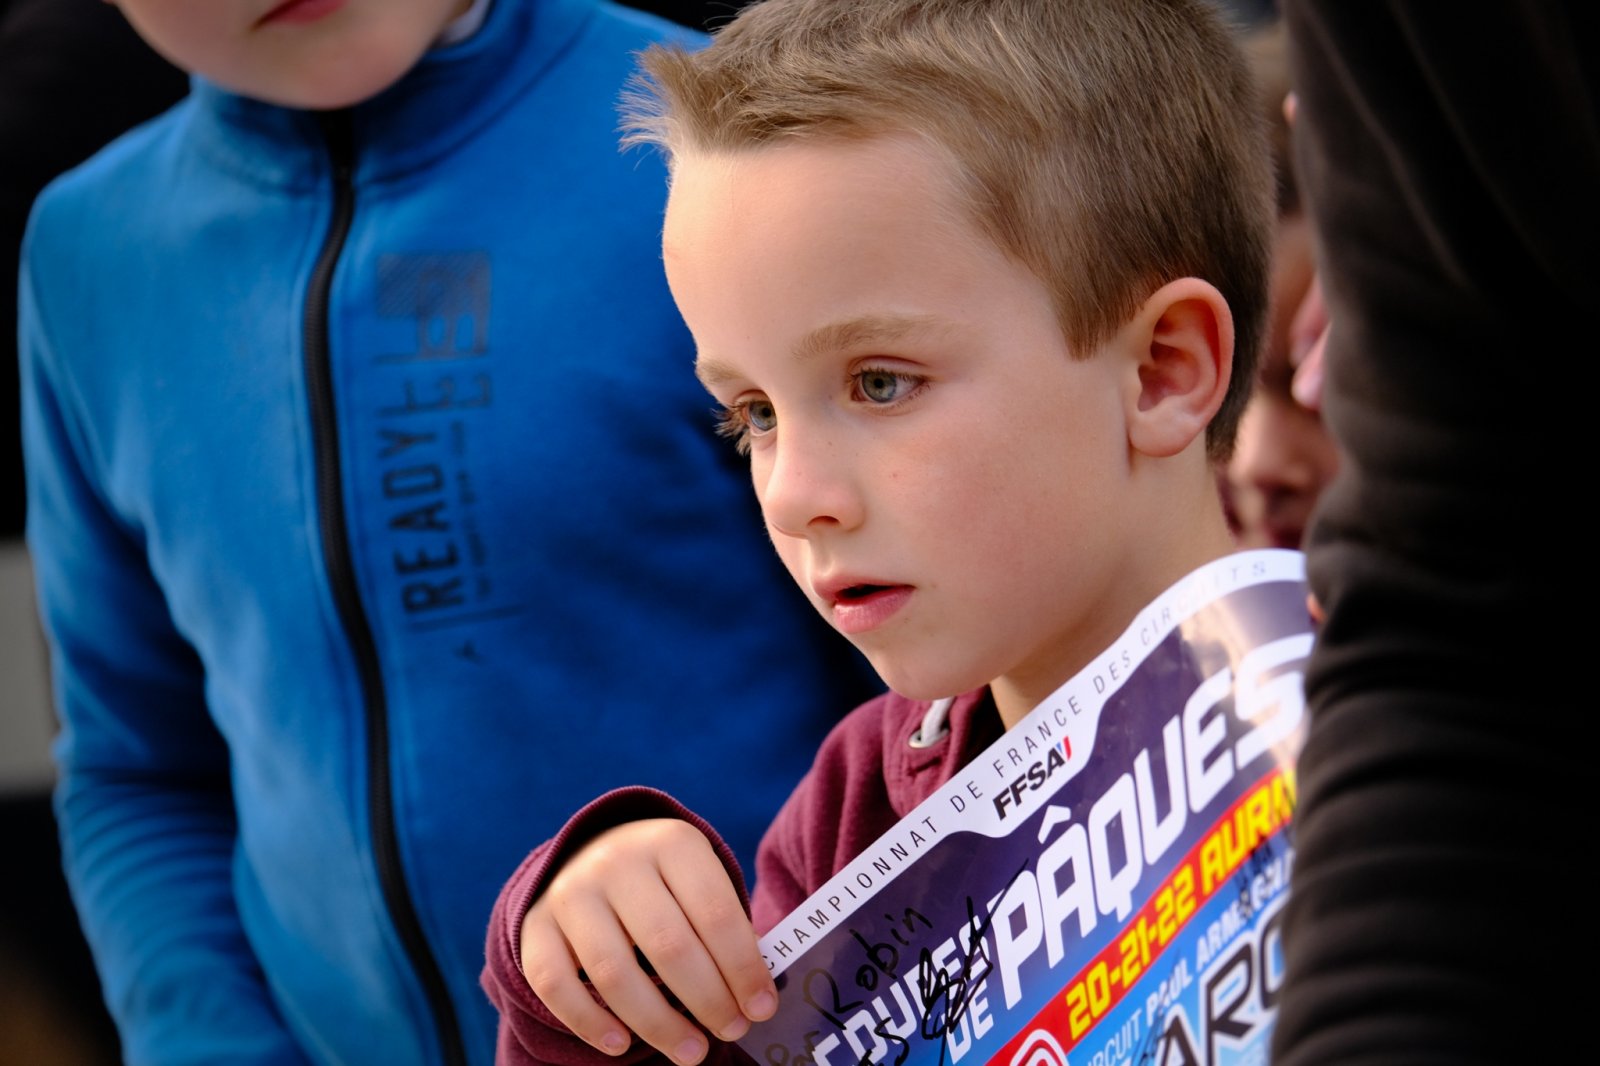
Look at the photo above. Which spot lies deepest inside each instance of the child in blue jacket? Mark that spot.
(376, 509)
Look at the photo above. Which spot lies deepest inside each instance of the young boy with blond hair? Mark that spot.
(978, 285)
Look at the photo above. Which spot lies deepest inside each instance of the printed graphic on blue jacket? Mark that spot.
(1103, 886)
(442, 383)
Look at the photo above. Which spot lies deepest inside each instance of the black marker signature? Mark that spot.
(946, 997)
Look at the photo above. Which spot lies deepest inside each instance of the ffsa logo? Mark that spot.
(1033, 778)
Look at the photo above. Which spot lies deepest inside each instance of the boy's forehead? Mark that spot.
(802, 187)
(778, 253)
(696, 177)
(719, 188)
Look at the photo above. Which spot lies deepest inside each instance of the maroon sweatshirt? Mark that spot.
(871, 771)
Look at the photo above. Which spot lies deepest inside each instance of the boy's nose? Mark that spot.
(809, 487)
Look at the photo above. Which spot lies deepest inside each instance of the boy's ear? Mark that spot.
(1182, 345)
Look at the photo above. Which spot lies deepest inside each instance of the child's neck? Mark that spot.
(1180, 541)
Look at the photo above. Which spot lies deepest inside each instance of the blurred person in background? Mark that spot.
(1284, 456)
(1449, 157)
(72, 76)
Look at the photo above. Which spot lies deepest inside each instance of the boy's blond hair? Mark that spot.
(1109, 145)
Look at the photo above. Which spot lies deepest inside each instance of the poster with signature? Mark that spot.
(1104, 885)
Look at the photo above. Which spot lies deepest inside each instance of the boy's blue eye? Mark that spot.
(884, 386)
(745, 419)
(760, 415)
(879, 386)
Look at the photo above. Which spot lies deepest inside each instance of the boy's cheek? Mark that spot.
(790, 552)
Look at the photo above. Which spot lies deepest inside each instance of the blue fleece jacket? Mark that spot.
(379, 524)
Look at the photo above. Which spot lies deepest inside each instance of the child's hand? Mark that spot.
(656, 884)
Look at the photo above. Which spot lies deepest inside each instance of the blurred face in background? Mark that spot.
(314, 54)
(1284, 457)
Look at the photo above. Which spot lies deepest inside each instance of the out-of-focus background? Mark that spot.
(72, 77)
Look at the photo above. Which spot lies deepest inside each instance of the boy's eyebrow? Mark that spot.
(862, 331)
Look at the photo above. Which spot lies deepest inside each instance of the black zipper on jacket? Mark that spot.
(338, 132)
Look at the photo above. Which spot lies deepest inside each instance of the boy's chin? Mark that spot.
(321, 90)
(921, 684)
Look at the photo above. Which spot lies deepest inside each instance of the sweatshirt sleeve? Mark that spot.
(841, 805)
(529, 1034)
(143, 801)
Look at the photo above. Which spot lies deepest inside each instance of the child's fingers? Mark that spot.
(654, 918)
(657, 884)
(712, 906)
(552, 973)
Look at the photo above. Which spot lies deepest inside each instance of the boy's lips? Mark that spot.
(857, 605)
(300, 11)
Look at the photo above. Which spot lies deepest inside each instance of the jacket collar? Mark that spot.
(437, 105)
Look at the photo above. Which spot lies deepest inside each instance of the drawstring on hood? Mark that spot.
(934, 727)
